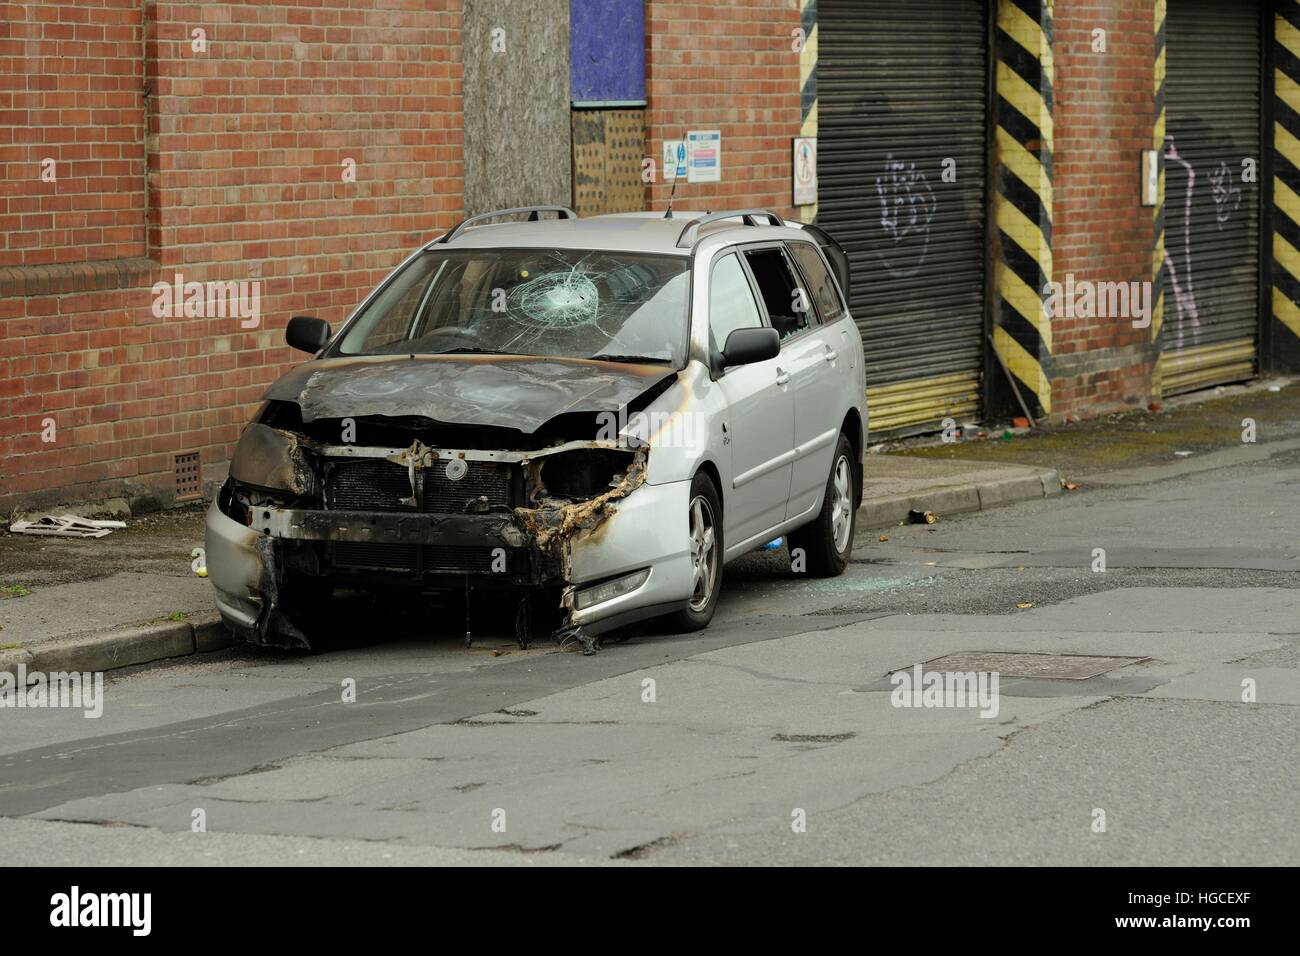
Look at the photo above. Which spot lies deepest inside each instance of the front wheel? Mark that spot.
(828, 541)
(704, 523)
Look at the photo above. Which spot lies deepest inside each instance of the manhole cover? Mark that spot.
(1020, 664)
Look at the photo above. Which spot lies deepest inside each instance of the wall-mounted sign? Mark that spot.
(703, 156)
(805, 170)
(1150, 177)
(674, 159)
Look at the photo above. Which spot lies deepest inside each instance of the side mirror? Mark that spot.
(747, 346)
(306, 333)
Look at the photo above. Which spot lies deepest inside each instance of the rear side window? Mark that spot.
(819, 280)
(787, 303)
(731, 302)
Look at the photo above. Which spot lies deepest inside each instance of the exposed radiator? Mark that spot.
(378, 485)
(371, 484)
(484, 479)
(368, 484)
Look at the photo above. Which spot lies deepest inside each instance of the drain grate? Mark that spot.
(188, 482)
(1029, 664)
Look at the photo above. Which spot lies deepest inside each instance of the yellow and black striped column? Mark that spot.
(1158, 212)
(1286, 187)
(808, 83)
(1022, 201)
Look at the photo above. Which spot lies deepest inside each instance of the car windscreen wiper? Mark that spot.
(468, 349)
(654, 359)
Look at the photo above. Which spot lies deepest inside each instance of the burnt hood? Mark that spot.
(521, 392)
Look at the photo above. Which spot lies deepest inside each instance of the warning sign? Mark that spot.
(805, 170)
(674, 159)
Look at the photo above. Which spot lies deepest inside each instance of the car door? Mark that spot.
(822, 382)
(790, 311)
(758, 427)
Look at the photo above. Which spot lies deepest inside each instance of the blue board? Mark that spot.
(607, 52)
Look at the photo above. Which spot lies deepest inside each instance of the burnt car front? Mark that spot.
(462, 431)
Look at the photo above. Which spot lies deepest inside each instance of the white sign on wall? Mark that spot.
(1150, 177)
(805, 170)
(703, 156)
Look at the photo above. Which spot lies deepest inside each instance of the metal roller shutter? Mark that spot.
(1212, 217)
(903, 87)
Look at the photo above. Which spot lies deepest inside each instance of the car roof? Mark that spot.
(647, 232)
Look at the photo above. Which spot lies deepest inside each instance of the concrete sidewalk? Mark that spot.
(895, 485)
(92, 604)
(132, 597)
(1195, 432)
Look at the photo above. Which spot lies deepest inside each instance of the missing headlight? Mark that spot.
(585, 473)
(239, 502)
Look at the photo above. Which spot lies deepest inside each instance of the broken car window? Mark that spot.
(547, 302)
(787, 304)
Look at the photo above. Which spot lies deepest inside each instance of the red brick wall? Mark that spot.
(1103, 119)
(725, 65)
(71, 74)
(245, 152)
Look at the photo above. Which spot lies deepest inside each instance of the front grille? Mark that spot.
(462, 560)
(375, 484)
(381, 557)
(411, 557)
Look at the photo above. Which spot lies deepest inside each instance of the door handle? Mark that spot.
(831, 354)
(782, 378)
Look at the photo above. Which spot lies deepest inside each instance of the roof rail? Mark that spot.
(748, 216)
(534, 214)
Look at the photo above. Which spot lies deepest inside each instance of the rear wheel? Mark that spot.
(827, 542)
(704, 516)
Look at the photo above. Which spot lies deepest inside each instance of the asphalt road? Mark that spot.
(780, 712)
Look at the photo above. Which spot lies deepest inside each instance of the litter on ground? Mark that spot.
(66, 526)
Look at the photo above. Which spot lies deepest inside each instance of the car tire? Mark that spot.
(827, 542)
(704, 524)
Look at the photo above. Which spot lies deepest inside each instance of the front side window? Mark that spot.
(546, 302)
(731, 302)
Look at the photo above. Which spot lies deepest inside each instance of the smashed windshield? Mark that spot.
(553, 302)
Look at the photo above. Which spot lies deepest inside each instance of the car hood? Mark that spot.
(521, 392)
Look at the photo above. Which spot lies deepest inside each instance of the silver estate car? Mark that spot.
(585, 416)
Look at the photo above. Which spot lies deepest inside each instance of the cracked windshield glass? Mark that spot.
(560, 303)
